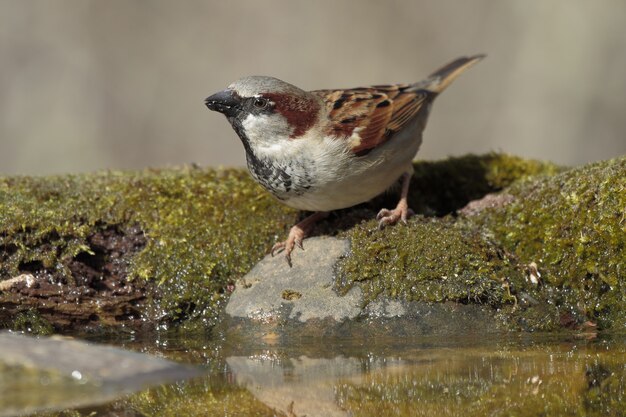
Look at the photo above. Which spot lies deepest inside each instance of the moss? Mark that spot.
(437, 259)
(30, 321)
(203, 228)
(432, 260)
(573, 226)
(194, 231)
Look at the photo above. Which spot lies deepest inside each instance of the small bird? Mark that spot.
(325, 150)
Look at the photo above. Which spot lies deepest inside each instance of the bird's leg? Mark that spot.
(402, 211)
(297, 235)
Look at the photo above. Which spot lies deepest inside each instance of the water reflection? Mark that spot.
(553, 379)
(527, 376)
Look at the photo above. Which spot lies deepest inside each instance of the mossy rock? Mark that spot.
(159, 247)
(431, 259)
(573, 228)
(568, 224)
(110, 248)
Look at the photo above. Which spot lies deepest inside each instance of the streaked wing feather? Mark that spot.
(372, 113)
(407, 111)
(374, 133)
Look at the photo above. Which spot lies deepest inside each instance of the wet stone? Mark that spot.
(53, 373)
(274, 302)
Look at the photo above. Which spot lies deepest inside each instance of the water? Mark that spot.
(511, 375)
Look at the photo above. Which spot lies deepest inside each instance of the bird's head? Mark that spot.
(265, 110)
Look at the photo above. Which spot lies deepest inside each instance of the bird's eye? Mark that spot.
(260, 102)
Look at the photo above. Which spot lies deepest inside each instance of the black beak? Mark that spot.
(225, 102)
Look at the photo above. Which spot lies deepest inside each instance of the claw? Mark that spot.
(278, 246)
(296, 236)
(383, 213)
(402, 211)
(406, 215)
(388, 217)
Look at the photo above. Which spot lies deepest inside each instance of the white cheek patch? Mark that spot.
(255, 123)
(256, 127)
(265, 132)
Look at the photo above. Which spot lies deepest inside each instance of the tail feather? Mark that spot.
(443, 77)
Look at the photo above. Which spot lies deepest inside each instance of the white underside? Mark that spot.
(358, 184)
(337, 178)
(345, 181)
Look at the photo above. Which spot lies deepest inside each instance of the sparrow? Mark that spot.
(325, 150)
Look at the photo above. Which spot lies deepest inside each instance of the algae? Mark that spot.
(201, 229)
(430, 259)
(570, 225)
(573, 227)
(165, 246)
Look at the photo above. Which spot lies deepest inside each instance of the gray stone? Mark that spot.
(48, 373)
(306, 288)
(274, 303)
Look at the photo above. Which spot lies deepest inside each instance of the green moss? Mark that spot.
(204, 227)
(31, 322)
(573, 226)
(438, 259)
(431, 260)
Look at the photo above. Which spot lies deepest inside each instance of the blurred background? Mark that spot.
(88, 84)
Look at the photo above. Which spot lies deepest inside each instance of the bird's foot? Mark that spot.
(297, 234)
(295, 238)
(387, 217)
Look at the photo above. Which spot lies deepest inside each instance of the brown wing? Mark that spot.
(368, 117)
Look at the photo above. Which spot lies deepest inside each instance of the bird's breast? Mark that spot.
(283, 179)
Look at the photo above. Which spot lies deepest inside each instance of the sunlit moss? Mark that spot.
(429, 260)
(573, 226)
(440, 259)
(203, 227)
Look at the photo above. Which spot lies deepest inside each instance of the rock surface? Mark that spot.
(276, 302)
(305, 289)
(57, 372)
